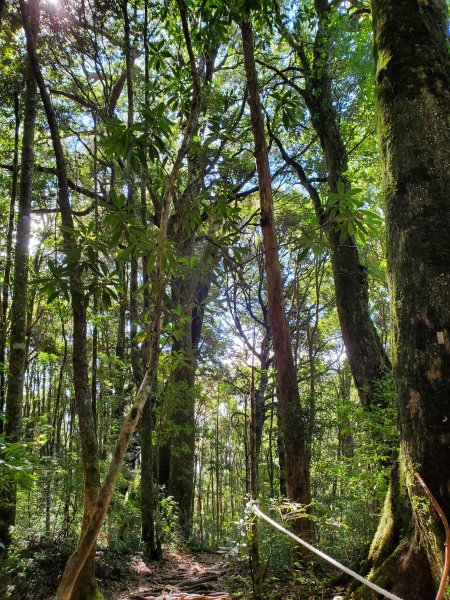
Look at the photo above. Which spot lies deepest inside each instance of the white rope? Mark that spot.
(333, 562)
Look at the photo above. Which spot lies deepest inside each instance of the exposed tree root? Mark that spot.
(182, 577)
(184, 596)
(402, 558)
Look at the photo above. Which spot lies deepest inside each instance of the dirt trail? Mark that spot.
(182, 576)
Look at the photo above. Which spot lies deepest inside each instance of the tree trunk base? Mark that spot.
(86, 587)
(7, 514)
(398, 559)
(153, 554)
(90, 591)
(405, 572)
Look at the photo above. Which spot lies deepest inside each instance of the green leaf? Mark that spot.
(141, 336)
(51, 297)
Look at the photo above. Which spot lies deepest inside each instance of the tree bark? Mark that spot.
(4, 303)
(254, 549)
(367, 357)
(413, 104)
(188, 292)
(149, 532)
(182, 452)
(85, 587)
(292, 418)
(17, 343)
(152, 548)
(181, 398)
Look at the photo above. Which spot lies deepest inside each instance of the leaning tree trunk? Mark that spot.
(85, 587)
(292, 418)
(18, 346)
(367, 357)
(413, 102)
(88, 540)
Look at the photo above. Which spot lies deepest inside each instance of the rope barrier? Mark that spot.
(440, 512)
(322, 555)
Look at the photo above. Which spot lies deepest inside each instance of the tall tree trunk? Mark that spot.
(17, 345)
(177, 458)
(367, 357)
(181, 396)
(189, 293)
(292, 418)
(254, 549)
(413, 103)
(85, 587)
(4, 301)
(55, 439)
(261, 391)
(95, 332)
(134, 303)
(152, 548)
(149, 533)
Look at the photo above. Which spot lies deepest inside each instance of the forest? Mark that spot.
(224, 299)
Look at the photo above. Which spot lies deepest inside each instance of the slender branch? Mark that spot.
(299, 170)
(288, 80)
(75, 97)
(254, 507)
(71, 184)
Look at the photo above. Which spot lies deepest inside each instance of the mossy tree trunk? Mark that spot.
(367, 357)
(189, 294)
(413, 97)
(149, 532)
(177, 453)
(8, 259)
(182, 423)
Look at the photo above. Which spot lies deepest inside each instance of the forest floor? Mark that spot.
(184, 575)
(33, 574)
(181, 576)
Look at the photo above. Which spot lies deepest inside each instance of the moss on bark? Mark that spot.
(413, 97)
(398, 561)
